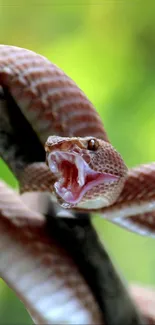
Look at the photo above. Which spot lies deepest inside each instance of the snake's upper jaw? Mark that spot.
(74, 176)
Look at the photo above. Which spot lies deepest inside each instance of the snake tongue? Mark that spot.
(75, 177)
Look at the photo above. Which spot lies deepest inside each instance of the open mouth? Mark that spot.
(74, 176)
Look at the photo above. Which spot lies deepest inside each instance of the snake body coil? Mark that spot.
(38, 104)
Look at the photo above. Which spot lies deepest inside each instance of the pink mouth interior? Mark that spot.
(74, 176)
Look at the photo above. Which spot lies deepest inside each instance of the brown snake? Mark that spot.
(39, 104)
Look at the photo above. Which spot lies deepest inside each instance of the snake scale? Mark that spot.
(40, 106)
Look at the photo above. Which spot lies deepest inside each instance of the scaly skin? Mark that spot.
(35, 95)
(51, 103)
(47, 280)
(54, 105)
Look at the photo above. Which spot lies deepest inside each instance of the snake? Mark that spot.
(54, 141)
(46, 278)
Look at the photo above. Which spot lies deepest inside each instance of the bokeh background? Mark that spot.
(108, 48)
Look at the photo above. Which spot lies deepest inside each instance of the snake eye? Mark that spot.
(93, 144)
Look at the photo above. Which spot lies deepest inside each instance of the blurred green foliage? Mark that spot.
(108, 48)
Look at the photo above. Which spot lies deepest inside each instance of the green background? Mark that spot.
(108, 48)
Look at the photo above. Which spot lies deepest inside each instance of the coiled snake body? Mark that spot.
(41, 105)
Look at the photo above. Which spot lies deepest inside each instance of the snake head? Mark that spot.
(89, 172)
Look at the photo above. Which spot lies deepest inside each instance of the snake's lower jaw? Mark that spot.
(73, 196)
(75, 179)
